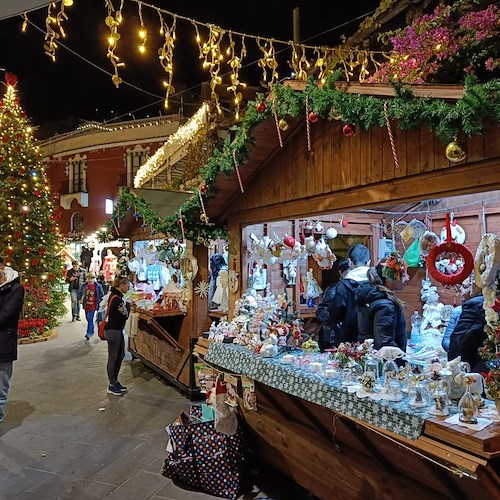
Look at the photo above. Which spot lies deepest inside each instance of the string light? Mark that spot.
(143, 32)
(235, 65)
(166, 55)
(112, 21)
(182, 136)
(54, 26)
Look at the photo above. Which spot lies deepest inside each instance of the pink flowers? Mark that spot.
(440, 40)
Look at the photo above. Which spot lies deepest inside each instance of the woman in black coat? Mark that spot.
(380, 314)
(11, 304)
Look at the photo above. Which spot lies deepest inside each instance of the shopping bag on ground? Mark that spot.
(205, 459)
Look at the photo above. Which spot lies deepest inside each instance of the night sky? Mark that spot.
(71, 87)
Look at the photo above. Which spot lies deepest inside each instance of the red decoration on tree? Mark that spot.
(312, 117)
(349, 130)
(19, 136)
(42, 251)
(27, 250)
(38, 193)
(203, 188)
(260, 107)
(17, 235)
(22, 171)
(5, 138)
(12, 204)
(10, 78)
(8, 250)
(1, 158)
(35, 262)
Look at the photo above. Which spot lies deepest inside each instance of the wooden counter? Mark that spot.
(334, 456)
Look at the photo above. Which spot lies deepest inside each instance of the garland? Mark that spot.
(481, 102)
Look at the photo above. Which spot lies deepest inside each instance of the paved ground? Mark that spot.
(64, 437)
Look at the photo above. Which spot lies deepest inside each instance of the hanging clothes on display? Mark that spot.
(109, 266)
(221, 295)
(158, 275)
(95, 263)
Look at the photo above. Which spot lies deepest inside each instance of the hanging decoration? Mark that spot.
(201, 289)
(112, 21)
(349, 130)
(308, 125)
(279, 123)
(166, 55)
(54, 27)
(454, 152)
(457, 231)
(236, 167)
(391, 135)
(203, 216)
(450, 262)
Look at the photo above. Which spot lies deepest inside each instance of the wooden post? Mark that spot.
(296, 25)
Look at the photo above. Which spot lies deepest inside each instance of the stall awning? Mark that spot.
(12, 9)
(164, 202)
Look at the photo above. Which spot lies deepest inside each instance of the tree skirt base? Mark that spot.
(52, 334)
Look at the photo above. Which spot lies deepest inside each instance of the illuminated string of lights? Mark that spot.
(182, 136)
(211, 48)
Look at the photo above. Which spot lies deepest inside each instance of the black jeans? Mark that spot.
(116, 353)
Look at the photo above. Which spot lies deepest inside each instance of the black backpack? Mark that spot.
(346, 329)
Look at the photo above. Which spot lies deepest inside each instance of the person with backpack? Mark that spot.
(380, 314)
(91, 295)
(343, 310)
(322, 311)
(469, 335)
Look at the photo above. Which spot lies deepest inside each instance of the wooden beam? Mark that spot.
(381, 89)
(479, 177)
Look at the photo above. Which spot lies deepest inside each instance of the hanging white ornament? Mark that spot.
(201, 289)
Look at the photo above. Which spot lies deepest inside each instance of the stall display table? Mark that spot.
(340, 446)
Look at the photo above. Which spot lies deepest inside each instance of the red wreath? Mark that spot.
(450, 246)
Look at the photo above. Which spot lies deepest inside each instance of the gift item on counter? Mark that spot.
(171, 299)
(310, 345)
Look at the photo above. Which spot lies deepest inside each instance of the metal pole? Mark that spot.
(296, 25)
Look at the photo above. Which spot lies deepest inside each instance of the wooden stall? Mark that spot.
(342, 174)
(164, 340)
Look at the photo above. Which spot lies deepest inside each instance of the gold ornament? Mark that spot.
(283, 124)
(204, 218)
(455, 152)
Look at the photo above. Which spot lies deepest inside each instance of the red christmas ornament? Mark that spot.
(19, 136)
(344, 223)
(23, 114)
(17, 235)
(18, 149)
(12, 180)
(42, 251)
(5, 138)
(52, 277)
(289, 241)
(38, 193)
(349, 129)
(312, 117)
(8, 250)
(22, 171)
(203, 188)
(11, 79)
(17, 101)
(12, 204)
(260, 107)
(1, 158)
(35, 262)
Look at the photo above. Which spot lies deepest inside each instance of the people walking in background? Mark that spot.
(91, 295)
(76, 279)
(322, 310)
(343, 309)
(85, 257)
(11, 305)
(117, 314)
(380, 314)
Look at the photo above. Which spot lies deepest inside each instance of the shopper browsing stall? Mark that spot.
(380, 314)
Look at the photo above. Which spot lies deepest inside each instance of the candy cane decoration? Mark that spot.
(181, 222)
(391, 135)
(203, 217)
(277, 123)
(236, 167)
(308, 125)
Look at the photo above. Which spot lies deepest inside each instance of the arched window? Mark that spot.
(77, 222)
(134, 159)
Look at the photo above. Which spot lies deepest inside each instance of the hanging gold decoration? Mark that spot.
(54, 27)
(268, 61)
(142, 33)
(166, 55)
(234, 63)
(455, 152)
(300, 64)
(112, 21)
(212, 57)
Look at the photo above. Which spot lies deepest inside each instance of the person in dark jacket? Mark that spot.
(117, 314)
(11, 304)
(380, 314)
(76, 279)
(342, 309)
(469, 335)
(322, 312)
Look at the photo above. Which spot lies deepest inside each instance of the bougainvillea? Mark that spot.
(444, 45)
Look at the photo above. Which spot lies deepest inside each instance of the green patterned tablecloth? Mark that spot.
(395, 417)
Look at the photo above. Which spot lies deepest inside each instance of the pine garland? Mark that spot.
(481, 102)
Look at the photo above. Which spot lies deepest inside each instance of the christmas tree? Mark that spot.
(29, 239)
